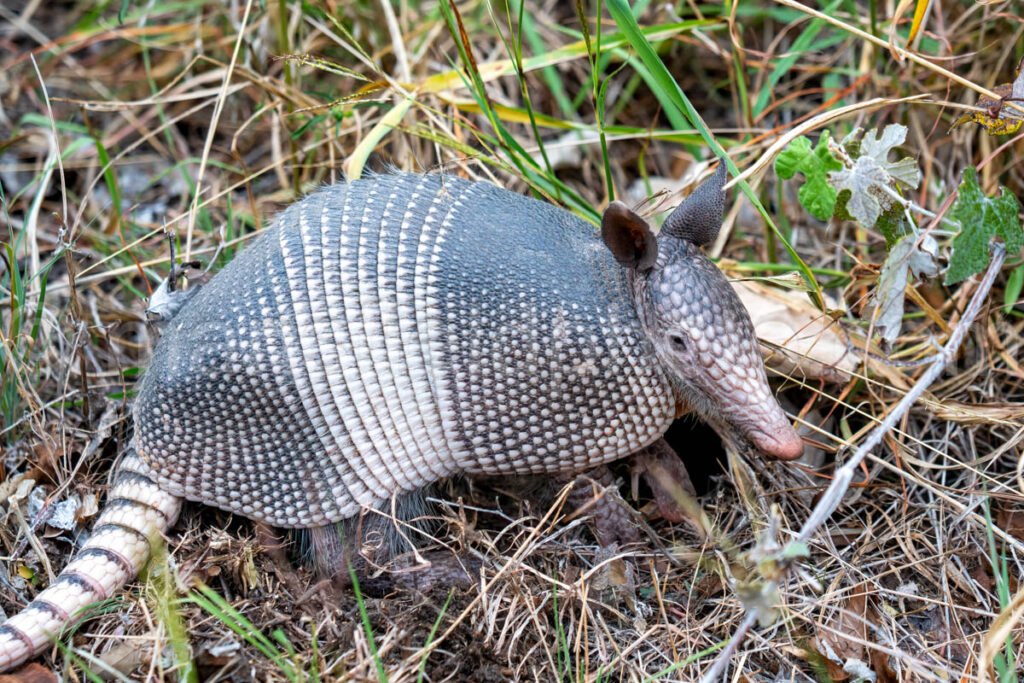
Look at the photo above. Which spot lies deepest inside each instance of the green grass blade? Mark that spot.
(364, 616)
(421, 670)
(566, 53)
(667, 85)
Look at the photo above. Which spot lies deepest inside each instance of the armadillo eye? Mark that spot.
(678, 343)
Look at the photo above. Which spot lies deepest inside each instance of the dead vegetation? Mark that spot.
(122, 122)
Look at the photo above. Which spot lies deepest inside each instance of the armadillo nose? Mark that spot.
(783, 442)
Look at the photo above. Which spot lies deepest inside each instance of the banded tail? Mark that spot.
(137, 513)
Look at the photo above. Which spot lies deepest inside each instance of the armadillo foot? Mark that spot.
(443, 571)
(438, 569)
(611, 519)
(378, 536)
(668, 479)
(327, 552)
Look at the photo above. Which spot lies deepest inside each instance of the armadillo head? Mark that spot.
(700, 330)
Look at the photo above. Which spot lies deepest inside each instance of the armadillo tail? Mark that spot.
(137, 514)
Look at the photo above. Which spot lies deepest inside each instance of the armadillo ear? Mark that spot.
(699, 218)
(628, 237)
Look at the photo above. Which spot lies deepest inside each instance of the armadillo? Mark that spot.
(390, 332)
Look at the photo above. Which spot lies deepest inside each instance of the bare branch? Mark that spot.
(844, 475)
(725, 656)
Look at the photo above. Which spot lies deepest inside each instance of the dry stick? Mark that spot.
(905, 54)
(208, 144)
(844, 475)
(726, 654)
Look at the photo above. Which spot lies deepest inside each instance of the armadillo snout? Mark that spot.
(784, 444)
(760, 426)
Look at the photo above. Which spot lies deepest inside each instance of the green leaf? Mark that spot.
(1014, 285)
(816, 195)
(892, 223)
(795, 550)
(871, 178)
(981, 218)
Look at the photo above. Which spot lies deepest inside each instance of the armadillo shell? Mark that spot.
(387, 333)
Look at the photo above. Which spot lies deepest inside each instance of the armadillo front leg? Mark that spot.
(136, 515)
(666, 475)
(611, 519)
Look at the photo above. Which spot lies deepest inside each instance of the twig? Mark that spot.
(215, 119)
(844, 475)
(833, 495)
(725, 656)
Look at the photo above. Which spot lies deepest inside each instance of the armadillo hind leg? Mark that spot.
(379, 547)
(137, 514)
(595, 494)
(377, 537)
(325, 550)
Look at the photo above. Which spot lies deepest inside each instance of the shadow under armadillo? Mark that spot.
(708, 458)
(398, 547)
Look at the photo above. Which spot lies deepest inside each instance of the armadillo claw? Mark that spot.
(442, 570)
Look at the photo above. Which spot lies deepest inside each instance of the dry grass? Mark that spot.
(205, 118)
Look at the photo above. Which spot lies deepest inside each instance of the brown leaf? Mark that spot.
(616, 574)
(880, 665)
(1011, 520)
(615, 577)
(799, 339)
(842, 640)
(983, 575)
(851, 621)
(31, 673)
(125, 656)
